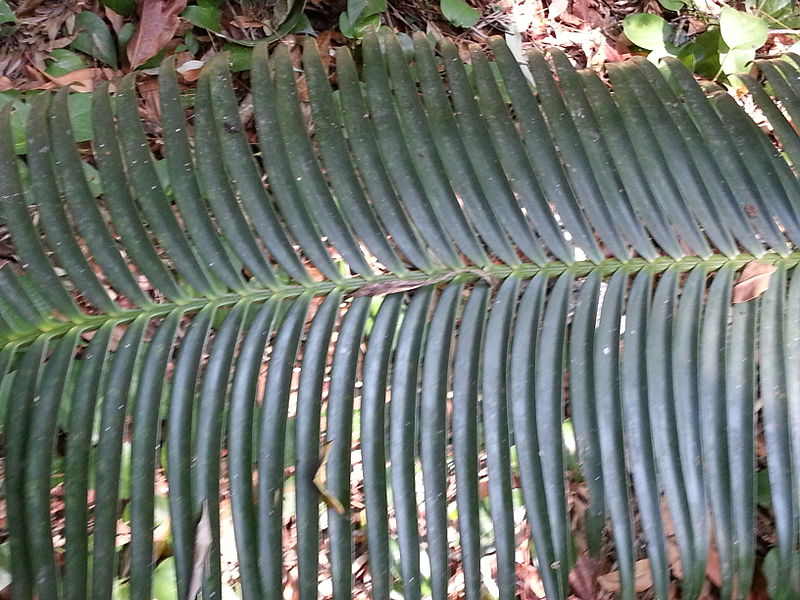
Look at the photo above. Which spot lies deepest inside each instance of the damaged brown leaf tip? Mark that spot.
(388, 287)
(753, 281)
(381, 288)
(643, 578)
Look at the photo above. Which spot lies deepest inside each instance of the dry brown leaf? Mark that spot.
(583, 578)
(643, 579)
(123, 535)
(674, 557)
(753, 281)
(202, 545)
(320, 479)
(116, 20)
(675, 592)
(758, 591)
(388, 287)
(529, 583)
(81, 80)
(488, 569)
(150, 107)
(605, 53)
(246, 22)
(456, 583)
(291, 584)
(189, 69)
(713, 572)
(325, 41)
(158, 22)
(161, 538)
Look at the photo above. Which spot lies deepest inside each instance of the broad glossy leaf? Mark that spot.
(742, 31)
(647, 30)
(207, 17)
(459, 13)
(64, 61)
(122, 7)
(94, 37)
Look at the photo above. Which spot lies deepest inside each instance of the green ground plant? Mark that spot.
(728, 44)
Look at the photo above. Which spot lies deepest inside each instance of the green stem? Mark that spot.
(493, 274)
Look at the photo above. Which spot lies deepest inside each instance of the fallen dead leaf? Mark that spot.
(158, 22)
(758, 591)
(675, 592)
(674, 557)
(605, 53)
(753, 281)
(583, 578)
(161, 538)
(643, 580)
(325, 41)
(190, 70)
(81, 80)
(246, 22)
(713, 572)
(488, 567)
(321, 477)
(456, 584)
(123, 535)
(291, 585)
(202, 545)
(116, 336)
(116, 20)
(529, 584)
(150, 108)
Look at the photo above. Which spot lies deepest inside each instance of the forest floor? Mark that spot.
(588, 30)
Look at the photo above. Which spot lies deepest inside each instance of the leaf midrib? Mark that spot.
(496, 273)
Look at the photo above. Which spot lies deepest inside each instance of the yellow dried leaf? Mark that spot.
(320, 479)
(161, 538)
(643, 579)
(753, 281)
